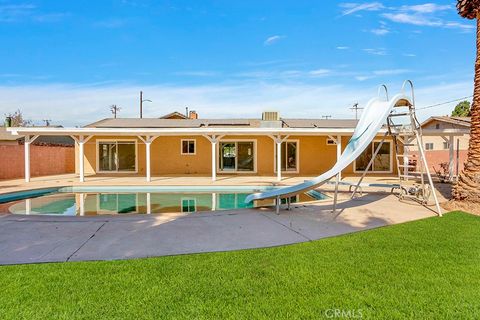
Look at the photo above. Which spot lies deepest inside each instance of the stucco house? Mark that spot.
(182, 146)
(446, 150)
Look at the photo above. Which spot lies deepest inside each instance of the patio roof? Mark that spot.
(88, 131)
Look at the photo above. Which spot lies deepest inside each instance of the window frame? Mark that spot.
(334, 142)
(194, 147)
(255, 154)
(97, 151)
(297, 170)
(188, 199)
(429, 143)
(373, 151)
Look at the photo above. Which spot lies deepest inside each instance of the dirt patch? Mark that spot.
(467, 206)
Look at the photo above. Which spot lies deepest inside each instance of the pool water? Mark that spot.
(90, 201)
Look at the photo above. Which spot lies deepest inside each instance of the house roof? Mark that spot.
(174, 115)
(459, 121)
(226, 123)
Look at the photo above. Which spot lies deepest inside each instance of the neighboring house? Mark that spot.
(177, 115)
(50, 155)
(437, 147)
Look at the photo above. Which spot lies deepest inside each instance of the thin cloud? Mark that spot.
(343, 48)
(426, 8)
(273, 39)
(415, 19)
(10, 13)
(350, 8)
(376, 51)
(425, 15)
(380, 31)
(363, 78)
(320, 72)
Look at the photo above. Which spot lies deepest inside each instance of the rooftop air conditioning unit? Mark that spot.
(270, 116)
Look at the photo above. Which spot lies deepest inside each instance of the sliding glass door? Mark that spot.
(382, 162)
(237, 156)
(289, 156)
(114, 156)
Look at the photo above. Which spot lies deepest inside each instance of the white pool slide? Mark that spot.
(374, 116)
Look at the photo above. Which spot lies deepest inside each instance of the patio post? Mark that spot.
(148, 142)
(28, 141)
(450, 158)
(214, 159)
(81, 153)
(339, 152)
(279, 159)
(147, 156)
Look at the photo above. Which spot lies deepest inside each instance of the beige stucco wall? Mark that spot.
(315, 156)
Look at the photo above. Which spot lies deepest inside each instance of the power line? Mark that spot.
(443, 103)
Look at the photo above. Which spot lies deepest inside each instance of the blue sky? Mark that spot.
(69, 60)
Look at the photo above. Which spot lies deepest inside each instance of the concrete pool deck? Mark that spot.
(36, 239)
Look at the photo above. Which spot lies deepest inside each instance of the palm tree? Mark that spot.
(468, 186)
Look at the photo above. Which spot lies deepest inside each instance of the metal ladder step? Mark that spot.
(403, 114)
(410, 175)
(406, 166)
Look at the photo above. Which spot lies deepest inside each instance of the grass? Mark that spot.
(422, 269)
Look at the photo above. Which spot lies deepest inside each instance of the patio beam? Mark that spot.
(28, 140)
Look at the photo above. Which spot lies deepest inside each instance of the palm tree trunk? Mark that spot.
(468, 186)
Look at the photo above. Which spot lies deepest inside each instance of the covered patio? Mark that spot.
(148, 135)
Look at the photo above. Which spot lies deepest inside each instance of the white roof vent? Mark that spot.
(270, 116)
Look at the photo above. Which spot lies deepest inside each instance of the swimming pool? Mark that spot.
(71, 201)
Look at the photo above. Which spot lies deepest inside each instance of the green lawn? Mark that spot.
(423, 269)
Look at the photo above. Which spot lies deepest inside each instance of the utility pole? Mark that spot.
(356, 108)
(326, 117)
(141, 103)
(114, 109)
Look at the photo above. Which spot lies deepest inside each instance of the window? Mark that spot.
(437, 126)
(429, 146)
(189, 205)
(237, 156)
(331, 142)
(115, 156)
(446, 145)
(382, 162)
(289, 156)
(188, 147)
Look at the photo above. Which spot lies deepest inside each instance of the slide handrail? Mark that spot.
(385, 89)
(411, 89)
